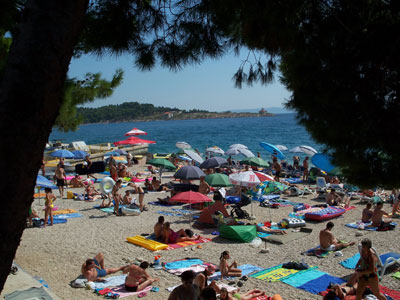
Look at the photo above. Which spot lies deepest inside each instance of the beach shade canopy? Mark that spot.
(43, 182)
(121, 152)
(273, 150)
(248, 179)
(133, 140)
(62, 153)
(193, 155)
(136, 131)
(112, 153)
(218, 180)
(183, 145)
(323, 162)
(79, 154)
(215, 150)
(239, 233)
(255, 161)
(189, 173)
(263, 176)
(162, 163)
(281, 147)
(190, 197)
(238, 146)
(304, 149)
(213, 162)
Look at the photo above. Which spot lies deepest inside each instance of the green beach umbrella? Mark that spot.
(217, 180)
(162, 163)
(255, 161)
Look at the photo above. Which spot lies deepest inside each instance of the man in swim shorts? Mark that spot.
(60, 175)
(327, 240)
(94, 270)
(138, 278)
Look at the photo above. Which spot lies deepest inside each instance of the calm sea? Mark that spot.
(281, 129)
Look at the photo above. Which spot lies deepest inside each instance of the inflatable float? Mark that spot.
(106, 185)
(131, 210)
(325, 213)
(146, 243)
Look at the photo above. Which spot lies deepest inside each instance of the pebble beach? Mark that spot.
(56, 253)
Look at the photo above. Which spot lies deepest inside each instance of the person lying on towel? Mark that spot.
(327, 240)
(94, 270)
(270, 230)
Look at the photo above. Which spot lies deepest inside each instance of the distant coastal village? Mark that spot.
(134, 111)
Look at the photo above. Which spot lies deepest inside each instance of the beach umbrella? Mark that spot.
(121, 152)
(268, 187)
(193, 155)
(255, 161)
(308, 150)
(185, 158)
(246, 152)
(79, 154)
(190, 197)
(295, 150)
(247, 179)
(217, 180)
(213, 162)
(281, 147)
(238, 146)
(233, 151)
(273, 150)
(134, 141)
(162, 163)
(215, 150)
(263, 176)
(189, 173)
(43, 182)
(323, 162)
(183, 145)
(62, 153)
(112, 153)
(136, 131)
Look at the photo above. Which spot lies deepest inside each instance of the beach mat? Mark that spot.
(31, 293)
(247, 269)
(320, 284)
(317, 251)
(299, 279)
(68, 216)
(351, 262)
(277, 273)
(105, 209)
(112, 281)
(365, 226)
(151, 239)
(124, 293)
(196, 265)
(201, 240)
(56, 221)
(64, 211)
(290, 236)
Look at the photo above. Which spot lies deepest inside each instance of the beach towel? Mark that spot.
(317, 251)
(299, 279)
(365, 226)
(188, 243)
(31, 293)
(389, 293)
(68, 216)
(162, 204)
(247, 269)
(351, 262)
(320, 284)
(277, 273)
(124, 293)
(108, 282)
(64, 211)
(57, 221)
(220, 285)
(396, 275)
(183, 263)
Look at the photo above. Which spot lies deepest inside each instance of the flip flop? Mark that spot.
(142, 294)
(244, 278)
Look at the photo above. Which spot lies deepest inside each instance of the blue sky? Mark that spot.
(206, 86)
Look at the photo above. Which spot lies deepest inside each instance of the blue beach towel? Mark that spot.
(110, 281)
(356, 226)
(57, 221)
(299, 279)
(169, 213)
(320, 284)
(351, 262)
(68, 216)
(183, 263)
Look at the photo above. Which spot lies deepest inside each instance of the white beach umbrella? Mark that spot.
(183, 145)
(193, 155)
(308, 150)
(215, 150)
(238, 146)
(136, 131)
(296, 150)
(281, 147)
(246, 152)
(248, 178)
(233, 151)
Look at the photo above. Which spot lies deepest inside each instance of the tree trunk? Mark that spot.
(30, 97)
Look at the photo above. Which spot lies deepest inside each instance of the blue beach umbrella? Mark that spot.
(43, 182)
(323, 162)
(62, 153)
(273, 150)
(79, 154)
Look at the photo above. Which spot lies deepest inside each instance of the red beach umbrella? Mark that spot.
(136, 131)
(190, 197)
(263, 177)
(134, 141)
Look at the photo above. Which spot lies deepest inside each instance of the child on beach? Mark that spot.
(226, 269)
(367, 213)
(48, 209)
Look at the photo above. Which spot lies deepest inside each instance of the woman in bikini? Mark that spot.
(226, 269)
(172, 237)
(138, 278)
(225, 295)
(48, 209)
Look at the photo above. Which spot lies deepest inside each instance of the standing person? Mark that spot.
(113, 168)
(305, 172)
(138, 278)
(367, 271)
(137, 189)
(327, 240)
(187, 290)
(61, 163)
(277, 167)
(204, 187)
(89, 163)
(226, 269)
(129, 159)
(59, 176)
(258, 154)
(48, 206)
(296, 162)
(117, 197)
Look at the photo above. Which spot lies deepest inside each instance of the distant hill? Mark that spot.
(272, 110)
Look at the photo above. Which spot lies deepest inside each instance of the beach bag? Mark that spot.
(36, 222)
(79, 282)
(70, 195)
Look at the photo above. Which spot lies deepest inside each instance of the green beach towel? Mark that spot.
(396, 275)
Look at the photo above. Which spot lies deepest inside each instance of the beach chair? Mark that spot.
(384, 260)
(321, 187)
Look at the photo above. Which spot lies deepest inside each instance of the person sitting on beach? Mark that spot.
(32, 214)
(201, 279)
(395, 208)
(343, 290)
(328, 242)
(117, 197)
(148, 186)
(48, 206)
(277, 167)
(59, 176)
(367, 213)
(126, 200)
(377, 217)
(91, 194)
(94, 270)
(267, 229)
(138, 278)
(157, 186)
(334, 199)
(187, 290)
(172, 237)
(226, 269)
(208, 293)
(123, 172)
(204, 187)
(225, 295)
(137, 189)
(76, 182)
(158, 228)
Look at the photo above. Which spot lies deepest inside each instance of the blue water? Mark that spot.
(281, 129)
